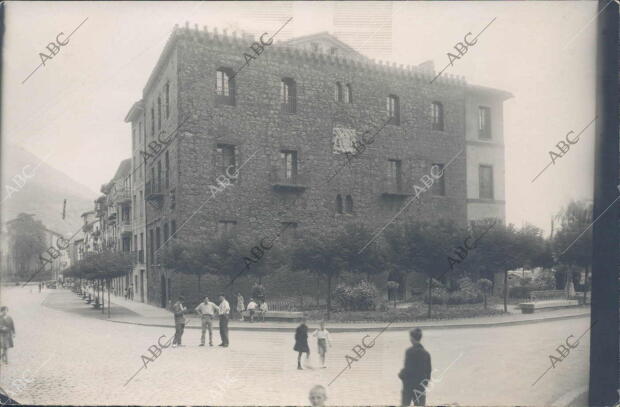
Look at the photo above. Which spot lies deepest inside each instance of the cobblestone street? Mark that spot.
(66, 355)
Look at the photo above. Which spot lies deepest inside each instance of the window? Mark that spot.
(485, 180)
(288, 232)
(159, 176)
(224, 87)
(333, 51)
(167, 170)
(133, 206)
(133, 137)
(166, 234)
(348, 93)
(484, 122)
(338, 92)
(225, 156)
(141, 247)
(436, 116)
(225, 228)
(140, 132)
(173, 228)
(159, 113)
(393, 109)
(152, 122)
(140, 203)
(289, 161)
(167, 99)
(135, 243)
(348, 204)
(288, 95)
(173, 198)
(338, 204)
(439, 184)
(151, 244)
(394, 173)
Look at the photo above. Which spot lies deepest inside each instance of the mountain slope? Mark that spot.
(41, 191)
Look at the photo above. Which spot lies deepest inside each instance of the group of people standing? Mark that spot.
(207, 311)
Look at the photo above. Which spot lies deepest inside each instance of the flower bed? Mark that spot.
(416, 312)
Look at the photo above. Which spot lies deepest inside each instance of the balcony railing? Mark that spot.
(278, 180)
(125, 227)
(395, 187)
(152, 191)
(120, 195)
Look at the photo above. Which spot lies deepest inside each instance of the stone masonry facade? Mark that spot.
(257, 126)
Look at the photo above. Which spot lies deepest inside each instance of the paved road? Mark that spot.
(64, 354)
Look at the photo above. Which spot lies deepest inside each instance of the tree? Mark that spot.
(188, 258)
(423, 247)
(26, 242)
(572, 244)
(319, 255)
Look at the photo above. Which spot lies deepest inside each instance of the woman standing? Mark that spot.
(240, 306)
(322, 336)
(7, 332)
(301, 342)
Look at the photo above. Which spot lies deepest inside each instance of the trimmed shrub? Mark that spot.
(343, 297)
(364, 296)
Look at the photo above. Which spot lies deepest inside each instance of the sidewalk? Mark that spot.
(148, 315)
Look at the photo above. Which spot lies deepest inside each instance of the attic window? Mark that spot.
(333, 51)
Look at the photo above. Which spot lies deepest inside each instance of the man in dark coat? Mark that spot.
(417, 371)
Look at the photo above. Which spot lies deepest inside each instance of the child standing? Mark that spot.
(322, 336)
(301, 342)
(7, 332)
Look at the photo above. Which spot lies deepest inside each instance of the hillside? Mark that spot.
(43, 193)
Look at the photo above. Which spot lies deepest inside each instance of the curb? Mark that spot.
(375, 328)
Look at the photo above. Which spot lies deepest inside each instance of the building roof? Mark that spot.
(136, 109)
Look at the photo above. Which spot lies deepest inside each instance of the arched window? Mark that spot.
(338, 204)
(338, 92)
(348, 204)
(348, 93)
(436, 116)
(288, 95)
(224, 87)
(393, 109)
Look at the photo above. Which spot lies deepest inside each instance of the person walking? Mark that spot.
(240, 306)
(416, 371)
(322, 339)
(179, 321)
(224, 311)
(7, 332)
(206, 310)
(301, 342)
(252, 309)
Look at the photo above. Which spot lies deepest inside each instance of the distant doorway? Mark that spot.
(142, 285)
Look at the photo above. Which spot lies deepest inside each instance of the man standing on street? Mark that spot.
(179, 321)
(206, 310)
(417, 371)
(224, 311)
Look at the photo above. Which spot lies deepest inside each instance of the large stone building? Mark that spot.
(288, 116)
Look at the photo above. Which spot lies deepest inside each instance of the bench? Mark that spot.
(275, 315)
(530, 307)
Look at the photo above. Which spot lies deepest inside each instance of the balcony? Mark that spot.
(395, 187)
(112, 217)
(153, 192)
(295, 182)
(121, 195)
(125, 227)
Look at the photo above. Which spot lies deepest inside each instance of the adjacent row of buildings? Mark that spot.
(287, 118)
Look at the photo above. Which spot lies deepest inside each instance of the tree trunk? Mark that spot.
(108, 299)
(485, 301)
(318, 284)
(430, 298)
(102, 297)
(506, 291)
(329, 295)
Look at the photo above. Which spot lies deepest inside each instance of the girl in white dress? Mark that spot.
(322, 336)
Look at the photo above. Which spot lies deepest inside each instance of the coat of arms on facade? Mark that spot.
(343, 140)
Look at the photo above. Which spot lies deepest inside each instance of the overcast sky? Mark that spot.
(542, 52)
